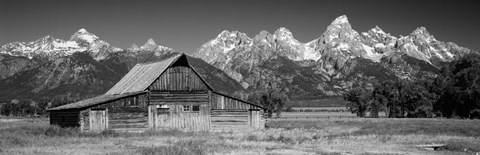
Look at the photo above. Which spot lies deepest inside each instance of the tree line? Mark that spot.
(454, 93)
(30, 108)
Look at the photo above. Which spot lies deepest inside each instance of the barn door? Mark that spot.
(98, 119)
(162, 118)
(254, 119)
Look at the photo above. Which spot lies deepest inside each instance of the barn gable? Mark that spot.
(180, 77)
(174, 73)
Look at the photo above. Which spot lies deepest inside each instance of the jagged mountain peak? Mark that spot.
(149, 45)
(421, 30)
(150, 42)
(283, 30)
(83, 34)
(340, 20)
(46, 39)
(223, 33)
(423, 34)
(283, 33)
(230, 34)
(82, 30)
(377, 29)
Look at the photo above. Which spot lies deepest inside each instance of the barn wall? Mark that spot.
(229, 114)
(164, 97)
(178, 78)
(225, 121)
(65, 118)
(175, 117)
(128, 113)
(166, 110)
(221, 102)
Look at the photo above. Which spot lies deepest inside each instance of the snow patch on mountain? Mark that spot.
(311, 54)
(370, 54)
(67, 44)
(343, 46)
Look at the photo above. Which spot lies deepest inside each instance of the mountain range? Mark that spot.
(338, 60)
(341, 58)
(51, 69)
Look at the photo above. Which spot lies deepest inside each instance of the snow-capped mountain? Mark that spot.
(150, 46)
(338, 60)
(331, 64)
(83, 66)
(52, 48)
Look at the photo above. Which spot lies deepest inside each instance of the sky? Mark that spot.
(186, 25)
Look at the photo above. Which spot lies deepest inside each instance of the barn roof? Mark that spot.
(141, 76)
(96, 100)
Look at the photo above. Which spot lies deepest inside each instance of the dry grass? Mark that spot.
(341, 136)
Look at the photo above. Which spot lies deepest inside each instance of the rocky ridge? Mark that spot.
(338, 60)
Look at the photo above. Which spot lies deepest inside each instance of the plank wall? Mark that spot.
(166, 111)
(226, 121)
(177, 79)
(126, 114)
(222, 102)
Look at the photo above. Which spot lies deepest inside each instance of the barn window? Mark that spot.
(132, 101)
(186, 108)
(196, 108)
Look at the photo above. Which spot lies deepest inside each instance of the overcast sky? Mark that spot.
(186, 25)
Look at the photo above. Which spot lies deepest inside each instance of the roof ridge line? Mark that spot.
(152, 62)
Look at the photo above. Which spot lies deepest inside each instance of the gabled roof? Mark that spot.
(141, 76)
(96, 100)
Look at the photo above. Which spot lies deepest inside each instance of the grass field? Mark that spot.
(326, 136)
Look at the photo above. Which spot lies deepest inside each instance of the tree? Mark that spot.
(358, 98)
(272, 99)
(461, 88)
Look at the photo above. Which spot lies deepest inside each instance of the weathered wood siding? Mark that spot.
(98, 119)
(178, 78)
(125, 114)
(230, 114)
(128, 118)
(173, 116)
(169, 97)
(222, 102)
(225, 121)
(166, 110)
(65, 118)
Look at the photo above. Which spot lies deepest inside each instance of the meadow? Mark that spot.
(320, 136)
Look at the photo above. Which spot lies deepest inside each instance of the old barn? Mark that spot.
(161, 95)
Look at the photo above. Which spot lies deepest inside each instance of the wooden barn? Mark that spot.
(161, 95)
